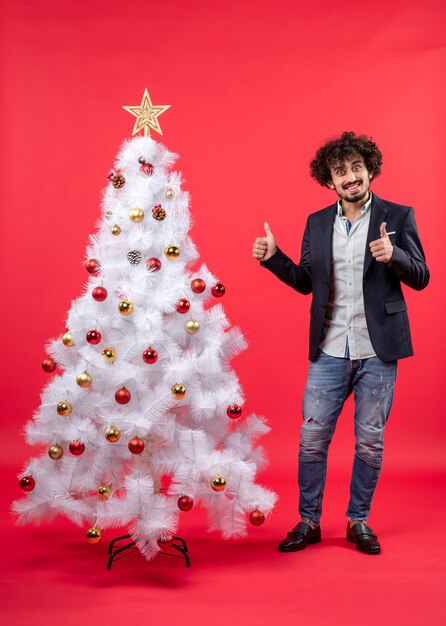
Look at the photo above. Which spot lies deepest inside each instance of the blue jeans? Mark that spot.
(330, 381)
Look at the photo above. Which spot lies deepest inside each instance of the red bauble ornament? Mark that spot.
(153, 265)
(76, 448)
(183, 305)
(93, 336)
(27, 483)
(49, 365)
(99, 294)
(147, 168)
(92, 266)
(256, 518)
(218, 290)
(198, 285)
(165, 542)
(122, 396)
(185, 503)
(136, 445)
(234, 411)
(150, 356)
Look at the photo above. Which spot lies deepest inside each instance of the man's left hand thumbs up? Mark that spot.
(382, 248)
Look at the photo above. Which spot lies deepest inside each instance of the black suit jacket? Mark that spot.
(385, 308)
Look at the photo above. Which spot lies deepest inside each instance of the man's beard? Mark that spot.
(357, 197)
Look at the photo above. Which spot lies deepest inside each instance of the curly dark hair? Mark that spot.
(343, 149)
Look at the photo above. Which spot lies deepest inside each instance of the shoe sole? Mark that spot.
(352, 540)
(299, 548)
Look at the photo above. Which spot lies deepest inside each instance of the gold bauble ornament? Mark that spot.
(64, 408)
(172, 252)
(169, 193)
(178, 391)
(84, 379)
(109, 355)
(112, 434)
(218, 483)
(67, 339)
(125, 307)
(104, 491)
(55, 452)
(93, 535)
(116, 230)
(136, 215)
(192, 326)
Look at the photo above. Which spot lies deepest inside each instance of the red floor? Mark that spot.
(51, 575)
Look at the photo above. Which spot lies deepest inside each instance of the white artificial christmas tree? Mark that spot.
(144, 417)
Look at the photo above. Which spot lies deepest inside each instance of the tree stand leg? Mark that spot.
(119, 552)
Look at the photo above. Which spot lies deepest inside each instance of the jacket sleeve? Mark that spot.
(408, 262)
(297, 276)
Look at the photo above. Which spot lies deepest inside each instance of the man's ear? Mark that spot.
(370, 175)
(330, 184)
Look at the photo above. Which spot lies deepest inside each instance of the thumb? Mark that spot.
(382, 230)
(267, 229)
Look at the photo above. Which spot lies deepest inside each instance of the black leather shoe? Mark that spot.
(364, 537)
(300, 537)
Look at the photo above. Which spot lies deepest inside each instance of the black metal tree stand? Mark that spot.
(120, 552)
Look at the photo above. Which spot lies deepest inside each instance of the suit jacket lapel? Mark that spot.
(326, 237)
(378, 214)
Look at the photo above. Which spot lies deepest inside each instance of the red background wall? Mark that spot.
(255, 88)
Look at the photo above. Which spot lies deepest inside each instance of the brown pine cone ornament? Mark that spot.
(134, 257)
(118, 181)
(158, 213)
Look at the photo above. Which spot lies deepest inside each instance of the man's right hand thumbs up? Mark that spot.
(264, 247)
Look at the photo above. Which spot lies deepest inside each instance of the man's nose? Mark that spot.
(351, 176)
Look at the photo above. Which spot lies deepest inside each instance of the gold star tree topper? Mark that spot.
(147, 115)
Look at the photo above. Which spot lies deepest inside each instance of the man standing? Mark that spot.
(355, 255)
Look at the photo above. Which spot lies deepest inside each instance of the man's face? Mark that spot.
(351, 179)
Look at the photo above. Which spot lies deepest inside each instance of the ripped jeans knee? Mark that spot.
(315, 440)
